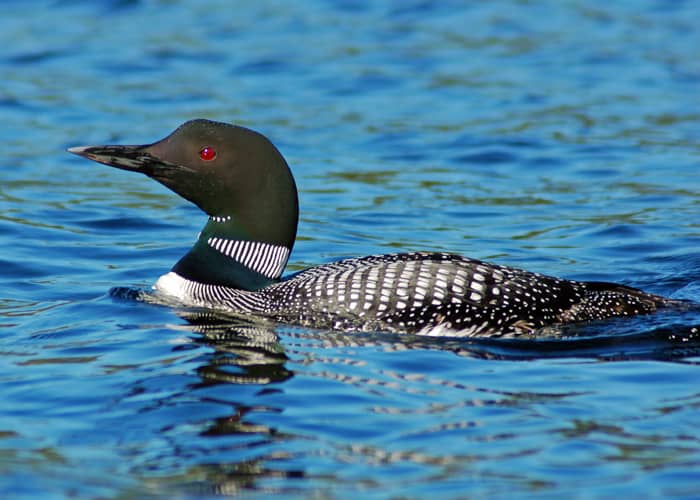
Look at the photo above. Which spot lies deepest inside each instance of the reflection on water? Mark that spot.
(245, 353)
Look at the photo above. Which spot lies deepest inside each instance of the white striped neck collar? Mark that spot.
(264, 258)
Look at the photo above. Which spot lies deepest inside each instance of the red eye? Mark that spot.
(207, 153)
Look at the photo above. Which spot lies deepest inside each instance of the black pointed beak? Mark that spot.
(132, 158)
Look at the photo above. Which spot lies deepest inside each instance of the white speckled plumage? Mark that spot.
(421, 293)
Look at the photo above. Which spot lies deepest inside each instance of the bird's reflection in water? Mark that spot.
(246, 352)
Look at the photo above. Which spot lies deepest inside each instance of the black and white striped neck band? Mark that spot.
(269, 260)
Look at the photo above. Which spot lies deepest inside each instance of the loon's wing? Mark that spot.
(416, 292)
(438, 293)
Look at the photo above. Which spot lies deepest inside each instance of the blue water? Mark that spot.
(561, 137)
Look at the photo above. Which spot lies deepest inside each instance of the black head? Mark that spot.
(226, 170)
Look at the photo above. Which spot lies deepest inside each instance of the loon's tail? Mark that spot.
(605, 300)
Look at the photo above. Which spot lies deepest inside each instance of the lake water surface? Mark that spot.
(560, 137)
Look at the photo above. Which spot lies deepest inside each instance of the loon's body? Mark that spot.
(243, 183)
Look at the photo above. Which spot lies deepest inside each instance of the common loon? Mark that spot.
(242, 182)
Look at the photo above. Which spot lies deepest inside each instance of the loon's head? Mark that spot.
(235, 175)
(226, 170)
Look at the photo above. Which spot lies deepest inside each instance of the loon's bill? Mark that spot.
(243, 183)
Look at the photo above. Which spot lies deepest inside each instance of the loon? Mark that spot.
(243, 183)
